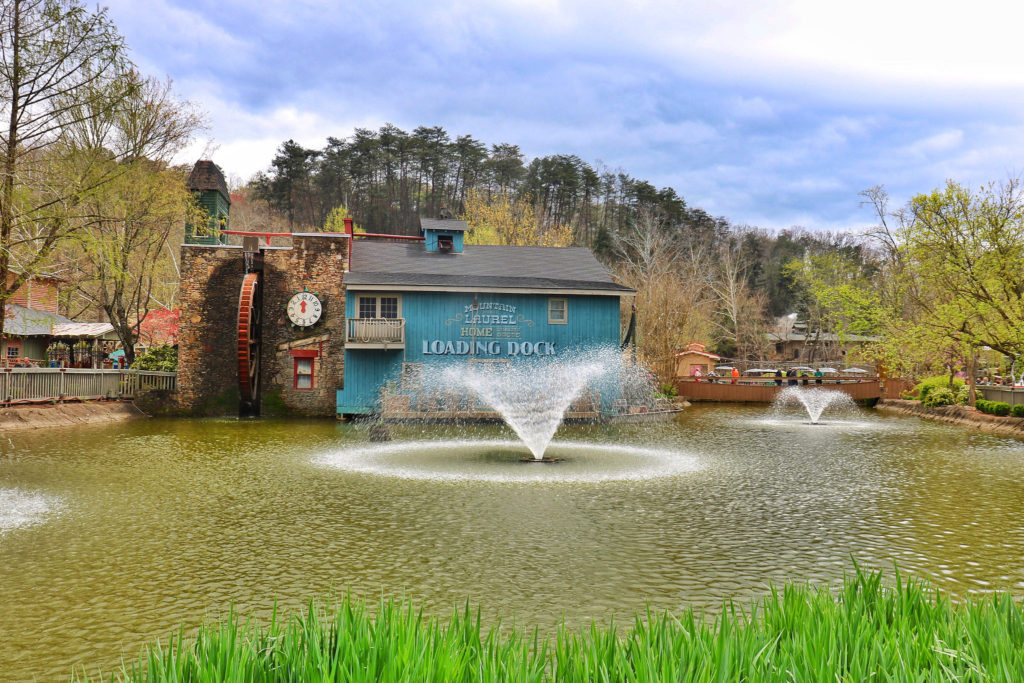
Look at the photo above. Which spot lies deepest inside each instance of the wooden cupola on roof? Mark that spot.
(210, 190)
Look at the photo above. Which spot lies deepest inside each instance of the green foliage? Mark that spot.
(938, 396)
(929, 384)
(997, 408)
(669, 390)
(864, 630)
(157, 359)
(957, 256)
(1017, 411)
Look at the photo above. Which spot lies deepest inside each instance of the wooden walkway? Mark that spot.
(764, 390)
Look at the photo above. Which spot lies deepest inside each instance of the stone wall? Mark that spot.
(211, 280)
(315, 262)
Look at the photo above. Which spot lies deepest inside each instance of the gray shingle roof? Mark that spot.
(444, 224)
(28, 322)
(506, 267)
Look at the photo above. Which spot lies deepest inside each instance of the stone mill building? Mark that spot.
(344, 324)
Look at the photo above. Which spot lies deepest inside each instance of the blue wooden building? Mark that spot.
(417, 305)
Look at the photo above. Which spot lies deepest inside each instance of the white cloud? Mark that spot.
(940, 142)
(772, 113)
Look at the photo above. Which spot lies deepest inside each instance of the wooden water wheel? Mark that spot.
(250, 301)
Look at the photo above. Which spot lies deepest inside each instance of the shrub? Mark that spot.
(669, 390)
(158, 359)
(983, 405)
(928, 384)
(963, 395)
(1000, 408)
(1017, 411)
(938, 396)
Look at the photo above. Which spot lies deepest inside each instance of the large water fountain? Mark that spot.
(532, 399)
(813, 400)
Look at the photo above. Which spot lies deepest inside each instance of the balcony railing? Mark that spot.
(376, 333)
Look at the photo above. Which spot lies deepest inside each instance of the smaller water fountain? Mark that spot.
(815, 401)
(21, 508)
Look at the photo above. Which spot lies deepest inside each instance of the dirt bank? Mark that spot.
(65, 414)
(964, 416)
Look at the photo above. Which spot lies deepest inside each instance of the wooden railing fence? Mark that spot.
(31, 385)
(1012, 395)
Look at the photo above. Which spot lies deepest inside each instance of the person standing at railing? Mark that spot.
(818, 374)
(735, 375)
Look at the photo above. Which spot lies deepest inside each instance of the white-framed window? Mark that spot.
(558, 311)
(13, 351)
(379, 306)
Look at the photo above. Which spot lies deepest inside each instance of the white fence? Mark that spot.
(19, 385)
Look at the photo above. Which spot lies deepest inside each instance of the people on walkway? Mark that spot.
(778, 377)
(735, 375)
(791, 375)
(818, 374)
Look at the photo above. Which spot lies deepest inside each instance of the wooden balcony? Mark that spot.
(375, 333)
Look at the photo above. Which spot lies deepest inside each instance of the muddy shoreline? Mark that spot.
(43, 415)
(963, 416)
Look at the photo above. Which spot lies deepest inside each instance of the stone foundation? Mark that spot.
(211, 280)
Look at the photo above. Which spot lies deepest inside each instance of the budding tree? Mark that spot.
(73, 114)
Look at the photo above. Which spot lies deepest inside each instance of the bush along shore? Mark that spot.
(865, 629)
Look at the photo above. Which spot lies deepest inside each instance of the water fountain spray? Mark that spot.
(815, 401)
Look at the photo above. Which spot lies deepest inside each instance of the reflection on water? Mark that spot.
(148, 525)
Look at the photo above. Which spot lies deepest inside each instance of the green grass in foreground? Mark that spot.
(866, 630)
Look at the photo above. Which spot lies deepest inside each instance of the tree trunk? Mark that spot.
(972, 364)
(7, 192)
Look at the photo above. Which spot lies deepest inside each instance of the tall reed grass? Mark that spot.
(864, 630)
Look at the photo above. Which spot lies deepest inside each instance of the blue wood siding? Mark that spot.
(506, 324)
(430, 240)
(366, 371)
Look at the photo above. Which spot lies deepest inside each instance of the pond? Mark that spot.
(111, 536)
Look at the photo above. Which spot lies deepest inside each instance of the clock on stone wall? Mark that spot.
(304, 309)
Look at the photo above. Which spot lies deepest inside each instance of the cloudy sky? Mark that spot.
(773, 113)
